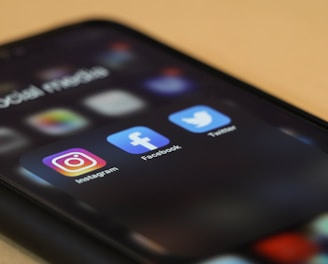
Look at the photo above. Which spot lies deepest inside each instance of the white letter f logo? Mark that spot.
(136, 140)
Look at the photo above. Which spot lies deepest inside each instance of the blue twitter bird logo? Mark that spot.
(199, 119)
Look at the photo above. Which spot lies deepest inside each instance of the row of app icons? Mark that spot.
(115, 103)
(136, 140)
(120, 55)
(63, 121)
(168, 81)
(307, 245)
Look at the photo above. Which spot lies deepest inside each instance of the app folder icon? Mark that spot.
(57, 122)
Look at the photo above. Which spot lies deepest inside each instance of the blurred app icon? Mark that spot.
(320, 225)
(11, 141)
(228, 259)
(54, 72)
(115, 103)
(57, 121)
(287, 248)
(318, 259)
(170, 82)
(117, 56)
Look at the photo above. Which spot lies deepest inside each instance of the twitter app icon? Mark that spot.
(199, 119)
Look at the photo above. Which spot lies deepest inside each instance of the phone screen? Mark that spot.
(170, 159)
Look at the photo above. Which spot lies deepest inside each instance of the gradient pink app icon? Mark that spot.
(74, 162)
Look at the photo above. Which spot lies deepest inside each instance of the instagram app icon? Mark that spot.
(74, 162)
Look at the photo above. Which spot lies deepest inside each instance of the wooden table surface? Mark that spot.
(280, 46)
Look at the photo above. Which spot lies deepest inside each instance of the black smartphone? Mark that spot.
(156, 154)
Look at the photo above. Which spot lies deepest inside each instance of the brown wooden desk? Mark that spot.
(280, 46)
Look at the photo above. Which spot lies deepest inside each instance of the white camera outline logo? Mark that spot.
(75, 155)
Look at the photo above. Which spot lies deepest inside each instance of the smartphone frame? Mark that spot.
(297, 112)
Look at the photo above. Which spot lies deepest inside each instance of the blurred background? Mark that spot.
(279, 46)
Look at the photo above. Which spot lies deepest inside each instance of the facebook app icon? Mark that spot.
(138, 140)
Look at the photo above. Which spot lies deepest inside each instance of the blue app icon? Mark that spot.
(199, 119)
(227, 260)
(138, 140)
